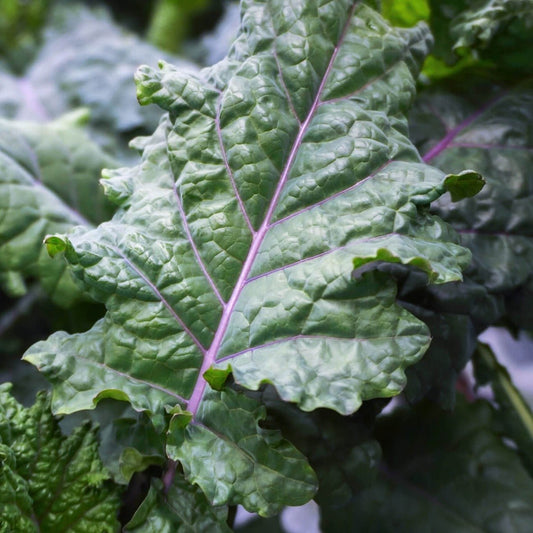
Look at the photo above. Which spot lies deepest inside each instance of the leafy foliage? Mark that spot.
(234, 213)
(478, 120)
(448, 473)
(49, 482)
(286, 253)
(514, 413)
(182, 509)
(20, 25)
(48, 182)
(85, 60)
(494, 139)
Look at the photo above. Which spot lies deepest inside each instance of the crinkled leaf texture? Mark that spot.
(49, 482)
(48, 182)
(275, 173)
(441, 472)
(495, 139)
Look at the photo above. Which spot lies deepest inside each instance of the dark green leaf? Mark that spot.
(274, 173)
(181, 509)
(493, 138)
(48, 183)
(441, 472)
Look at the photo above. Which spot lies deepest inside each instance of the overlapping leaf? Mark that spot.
(274, 174)
(48, 182)
(455, 313)
(129, 442)
(441, 472)
(497, 32)
(494, 138)
(50, 483)
(85, 60)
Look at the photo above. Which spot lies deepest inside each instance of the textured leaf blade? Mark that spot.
(272, 176)
(16, 502)
(63, 482)
(251, 465)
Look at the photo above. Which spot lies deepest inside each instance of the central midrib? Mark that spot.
(210, 356)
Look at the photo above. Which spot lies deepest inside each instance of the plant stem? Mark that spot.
(232, 513)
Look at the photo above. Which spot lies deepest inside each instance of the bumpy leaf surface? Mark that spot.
(275, 173)
(495, 139)
(48, 482)
(48, 183)
(182, 509)
(441, 473)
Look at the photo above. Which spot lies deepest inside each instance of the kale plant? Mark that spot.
(325, 219)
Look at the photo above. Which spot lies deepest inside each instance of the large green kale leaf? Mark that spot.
(274, 174)
(48, 182)
(48, 482)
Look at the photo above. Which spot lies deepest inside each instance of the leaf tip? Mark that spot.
(180, 418)
(216, 377)
(55, 244)
(147, 82)
(464, 185)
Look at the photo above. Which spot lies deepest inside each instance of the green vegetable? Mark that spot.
(48, 183)
(48, 482)
(286, 254)
(222, 252)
